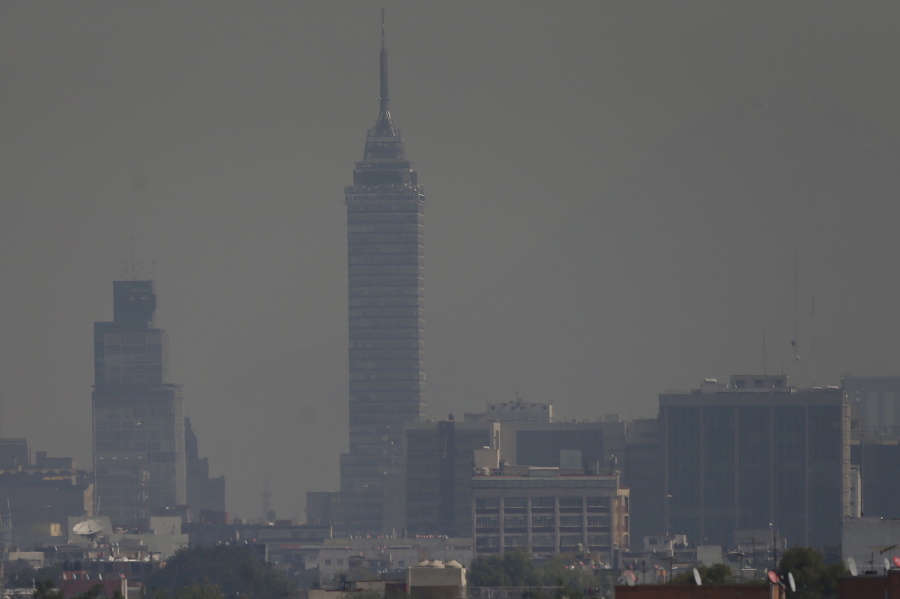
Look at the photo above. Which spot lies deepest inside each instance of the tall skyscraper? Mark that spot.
(139, 457)
(385, 241)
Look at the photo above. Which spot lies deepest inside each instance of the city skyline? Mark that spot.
(617, 195)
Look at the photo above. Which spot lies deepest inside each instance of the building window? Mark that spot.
(570, 502)
(593, 521)
(514, 541)
(542, 522)
(487, 542)
(487, 522)
(515, 502)
(570, 521)
(598, 501)
(542, 502)
(569, 541)
(487, 503)
(598, 540)
(514, 522)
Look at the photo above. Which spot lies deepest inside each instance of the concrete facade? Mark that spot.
(547, 511)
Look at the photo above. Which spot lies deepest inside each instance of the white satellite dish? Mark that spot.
(697, 578)
(87, 528)
(887, 565)
(851, 565)
(791, 583)
(630, 578)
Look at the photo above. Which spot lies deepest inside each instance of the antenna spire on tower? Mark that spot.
(385, 126)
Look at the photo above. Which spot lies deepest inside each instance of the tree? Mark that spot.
(814, 579)
(223, 570)
(715, 574)
(512, 569)
(46, 589)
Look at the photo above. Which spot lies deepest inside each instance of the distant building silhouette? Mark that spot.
(756, 452)
(38, 497)
(385, 240)
(138, 416)
(205, 494)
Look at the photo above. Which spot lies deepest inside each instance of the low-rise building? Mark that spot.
(547, 511)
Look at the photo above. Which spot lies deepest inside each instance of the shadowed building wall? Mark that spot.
(755, 452)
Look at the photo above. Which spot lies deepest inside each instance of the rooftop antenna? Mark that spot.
(385, 126)
(812, 340)
(764, 352)
(795, 342)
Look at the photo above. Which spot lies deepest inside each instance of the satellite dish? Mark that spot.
(88, 528)
(851, 565)
(630, 578)
(887, 565)
(697, 578)
(773, 577)
(896, 560)
(791, 584)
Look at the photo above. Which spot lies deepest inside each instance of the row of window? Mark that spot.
(391, 226)
(358, 333)
(150, 348)
(542, 502)
(371, 217)
(103, 401)
(383, 312)
(134, 368)
(135, 379)
(542, 521)
(365, 240)
(566, 542)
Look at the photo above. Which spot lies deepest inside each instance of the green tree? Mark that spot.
(200, 591)
(814, 579)
(223, 570)
(45, 588)
(512, 569)
(715, 574)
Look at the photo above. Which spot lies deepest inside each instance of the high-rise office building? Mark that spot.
(440, 461)
(138, 417)
(385, 235)
(756, 453)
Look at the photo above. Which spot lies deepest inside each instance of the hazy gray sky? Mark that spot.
(616, 194)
